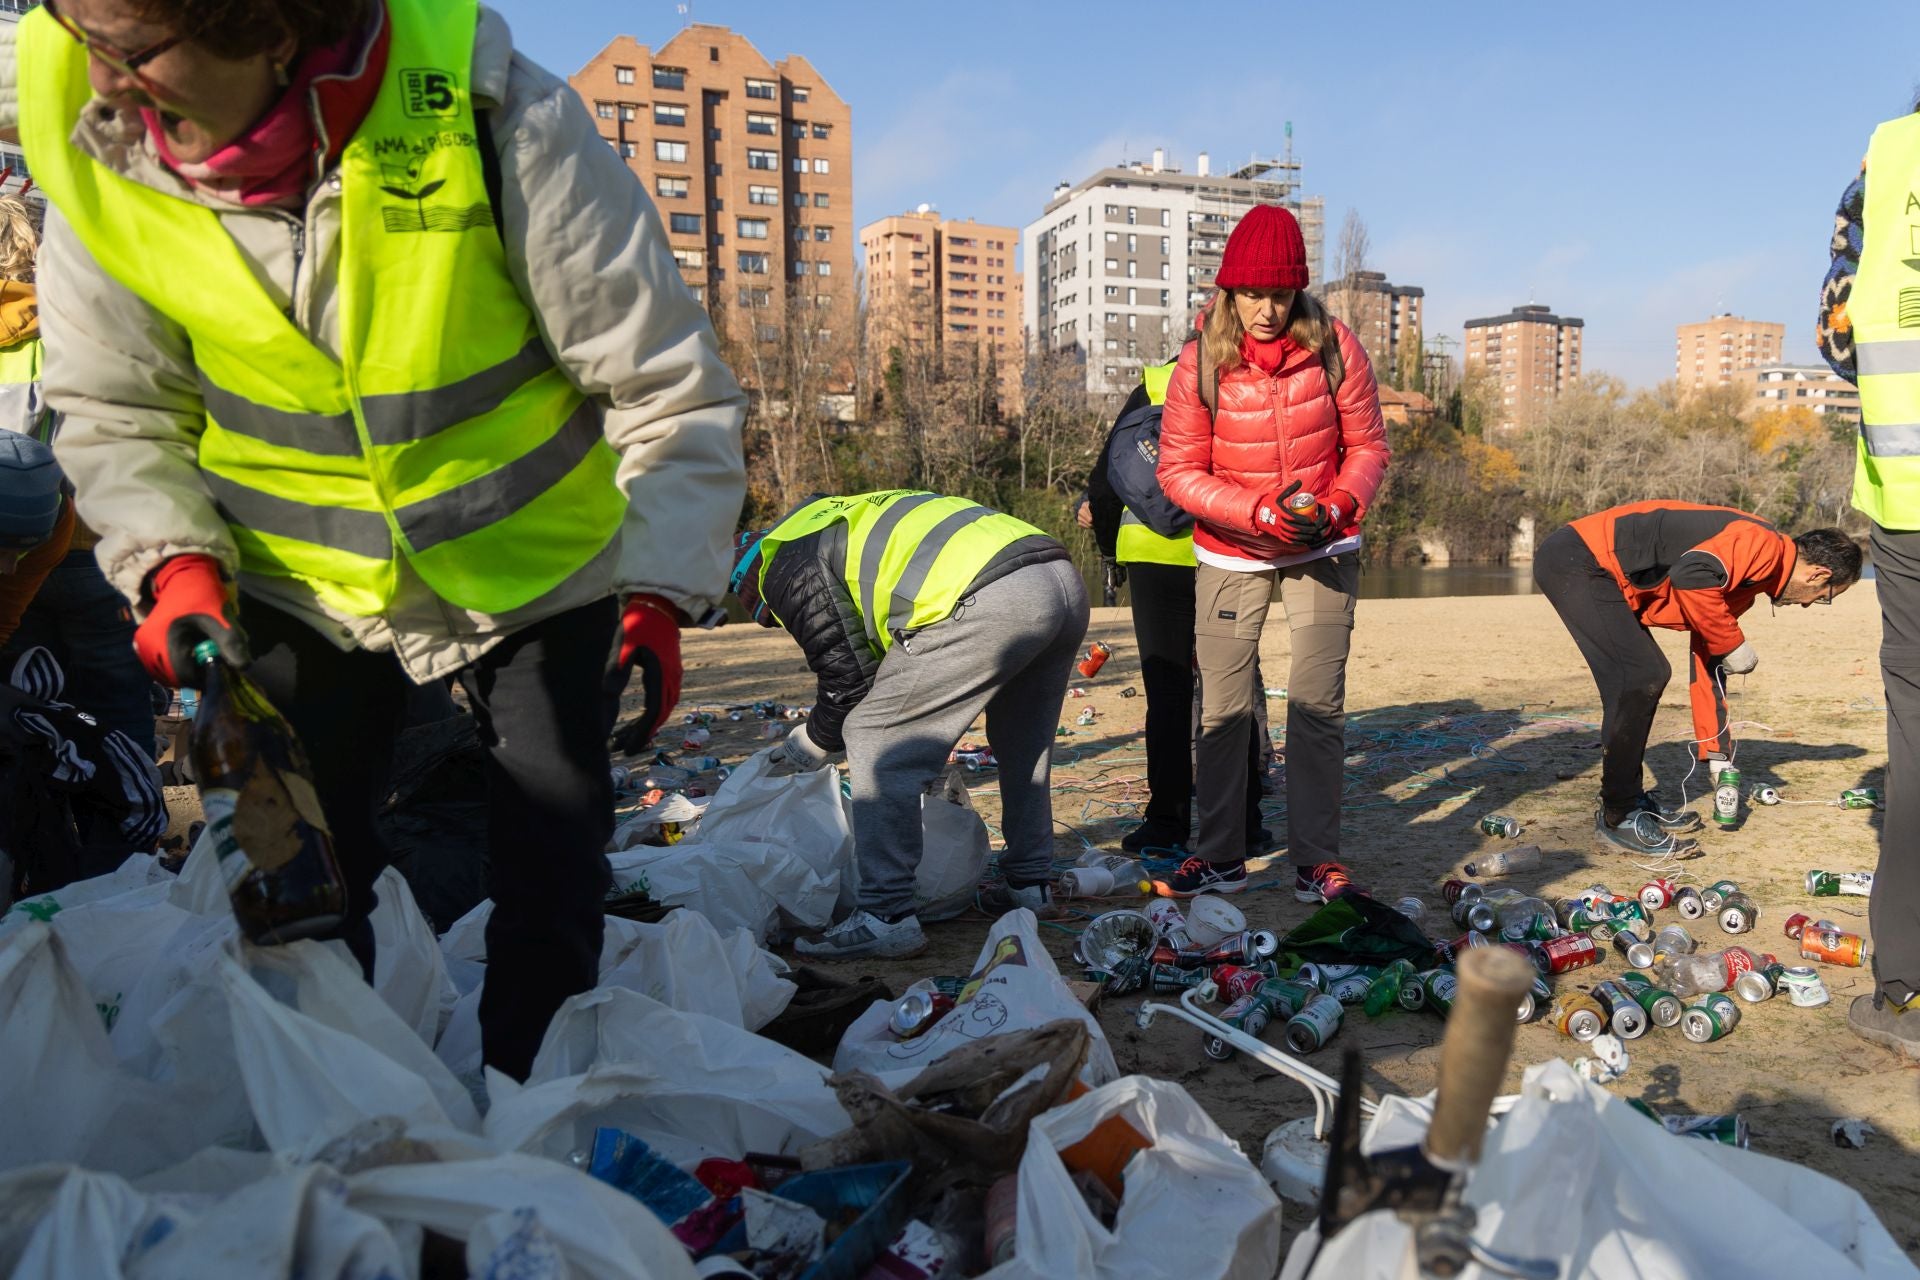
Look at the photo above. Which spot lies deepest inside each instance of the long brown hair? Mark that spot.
(1307, 324)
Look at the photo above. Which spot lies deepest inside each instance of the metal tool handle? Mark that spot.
(1473, 1056)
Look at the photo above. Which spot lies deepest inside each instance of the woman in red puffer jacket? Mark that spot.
(1276, 434)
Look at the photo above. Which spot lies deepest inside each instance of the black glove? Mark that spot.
(1308, 529)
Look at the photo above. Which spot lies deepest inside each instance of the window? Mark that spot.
(768, 332)
(1113, 264)
(1113, 237)
(801, 266)
(714, 168)
(799, 164)
(669, 78)
(686, 224)
(763, 195)
(797, 130)
(716, 203)
(1113, 291)
(1113, 344)
(604, 110)
(623, 75)
(758, 123)
(756, 297)
(713, 134)
(698, 291)
(1133, 244)
(763, 159)
(1166, 271)
(820, 164)
(823, 268)
(759, 88)
(670, 188)
(823, 233)
(819, 199)
(822, 130)
(1166, 217)
(629, 150)
(750, 228)
(753, 264)
(689, 258)
(671, 152)
(664, 113)
(1133, 297)
(1131, 322)
(799, 199)
(1113, 211)
(799, 233)
(1166, 246)
(1133, 214)
(1113, 317)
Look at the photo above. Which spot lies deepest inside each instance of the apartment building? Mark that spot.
(751, 165)
(1118, 265)
(1709, 353)
(948, 283)
(1533, 355)
(1785, 386)
(18, 179)
(1385, 317)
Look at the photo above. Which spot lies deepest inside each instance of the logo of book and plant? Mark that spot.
(408, 181)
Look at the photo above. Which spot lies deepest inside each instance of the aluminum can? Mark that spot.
(1452, 949)
(1828, 884)
(1756, 985)
(1737, 913)
(1796, 925)
(1286, 996)
(1731, 1130)
(1726, 803)
(1703, 1025)
(1086, 716)
(1607, 930)
(1714, 896)
(1169, 979)
(1624, 1015)
(1235, 981)
(1634, 949)
(1353, 988)
(1301, 503)
(1536, 928)
(1764, 795)
(916, 1011)
(1561, 955)
(1833, 946)
(1440, 987)
(1672, 940)
(1723, 1006)
(1655, 894)
(1860, 798)
(1631, 911)
(1165, 914)
(1097, 655)
(1804, 987)
(1315, 1024)
(1663, 1007)
(1412, 908)
(1499, 824)
(1454, 890)
(1248, 1014)
(1689, 903)
(1534, 1000)
(1579, 1016)
(1474, 913)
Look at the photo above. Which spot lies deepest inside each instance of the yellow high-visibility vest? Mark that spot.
(444, 432)
(1136, 543)
(21, 408)
(1885, 311)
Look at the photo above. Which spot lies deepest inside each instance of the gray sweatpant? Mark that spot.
(1008, 649)
(1894, 909)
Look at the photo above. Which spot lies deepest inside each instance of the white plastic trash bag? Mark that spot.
(691, 1086)
(770, 827)
(1574, 1175)
(1014, 986)
(752, 885)
(1193, 1206)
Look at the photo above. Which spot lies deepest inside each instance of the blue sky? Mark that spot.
(1638, 165)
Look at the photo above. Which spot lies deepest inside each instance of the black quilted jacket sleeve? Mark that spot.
(811, 599)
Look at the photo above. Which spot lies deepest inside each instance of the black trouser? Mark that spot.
(1627, 664)
(1162, 599)
(540, 709)
(1894, 909)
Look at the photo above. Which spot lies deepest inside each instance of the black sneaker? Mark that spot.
(1261, 842)
(1669, 819)
(1640, 832)
(1197, 876)
(1896, 1029)
(1149, 836)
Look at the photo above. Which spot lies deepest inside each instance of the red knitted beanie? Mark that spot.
(1266, 251)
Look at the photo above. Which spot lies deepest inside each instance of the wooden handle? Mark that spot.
(1473, 1056)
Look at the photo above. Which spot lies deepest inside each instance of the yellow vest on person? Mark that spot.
(20, 406)
(1884, 309)
(1136, 542)
(444, 432)
(910, 556)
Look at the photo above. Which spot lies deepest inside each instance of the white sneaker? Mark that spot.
(865, 934)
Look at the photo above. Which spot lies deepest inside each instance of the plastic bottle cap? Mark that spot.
(206, 651)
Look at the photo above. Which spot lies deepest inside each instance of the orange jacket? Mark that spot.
(1688, 567)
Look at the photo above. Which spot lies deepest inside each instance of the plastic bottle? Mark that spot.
(1094, 882)
(1384, 993)
(1714, 971)
(1119, 864)
(1521, 916)
(1505, 862)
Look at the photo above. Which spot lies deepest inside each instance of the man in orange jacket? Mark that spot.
(1685, 567)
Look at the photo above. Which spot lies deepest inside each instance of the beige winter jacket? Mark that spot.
(590, 255)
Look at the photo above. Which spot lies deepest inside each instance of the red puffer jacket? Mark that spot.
(1272, 429)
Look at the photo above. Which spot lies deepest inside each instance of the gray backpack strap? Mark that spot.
(1335, 363)
(1208, 376)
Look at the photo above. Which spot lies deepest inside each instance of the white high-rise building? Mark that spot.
(12, 159)
(1119, 265)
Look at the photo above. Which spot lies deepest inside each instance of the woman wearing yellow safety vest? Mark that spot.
(368, 343)
(1869, 331)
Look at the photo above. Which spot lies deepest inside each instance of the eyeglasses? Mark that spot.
(115, 57)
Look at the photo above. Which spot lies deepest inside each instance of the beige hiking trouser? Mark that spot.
(1230, 609)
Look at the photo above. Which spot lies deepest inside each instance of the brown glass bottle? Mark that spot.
(263, 814)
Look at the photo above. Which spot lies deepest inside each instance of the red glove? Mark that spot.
(191, 603)
(649, 639)
(1270, 517)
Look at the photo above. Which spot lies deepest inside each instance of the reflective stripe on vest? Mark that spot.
(444, 431)
(1136, 543)
(1884, 309)
(909, 558)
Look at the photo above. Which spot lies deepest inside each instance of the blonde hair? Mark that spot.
(1307, 324)
(19, 242)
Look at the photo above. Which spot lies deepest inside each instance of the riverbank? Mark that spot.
(1465, 706)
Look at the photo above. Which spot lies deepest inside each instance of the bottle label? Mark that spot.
(218, 805)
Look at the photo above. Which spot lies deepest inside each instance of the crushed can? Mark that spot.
(1828, 884)
(1655, 894)
(1803, 987)
(1689, 903)
(1579, 1017)
(1768, 796)
(1249, 1014)
(1731, 1130)
(916, 1011)
(1316, 1023)
(1796, 924)
(1860, 798)
(1534, 1000)
(1714, 896)
(1097, 655)
(1756, 985)
(1738, 911)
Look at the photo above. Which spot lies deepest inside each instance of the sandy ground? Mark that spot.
(1468, 706)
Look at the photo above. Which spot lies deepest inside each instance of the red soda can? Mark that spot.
(1559, 955)
(1097, 655)
(1452, 950)
(1797, 924)
(1235, 981)
(1655, 894)
(1452, 890)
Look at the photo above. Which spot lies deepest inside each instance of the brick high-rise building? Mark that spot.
(751, 165)
(947, 283)
(1533, 355)
(1709, 353)
(1385, 317)
(1118, 265)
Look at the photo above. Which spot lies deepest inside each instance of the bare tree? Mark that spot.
(794, 355)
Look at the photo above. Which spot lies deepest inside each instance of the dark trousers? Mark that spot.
(1627, 665)
(539, 705)
(1894, 909)
(88, 627)
(1162, 599)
